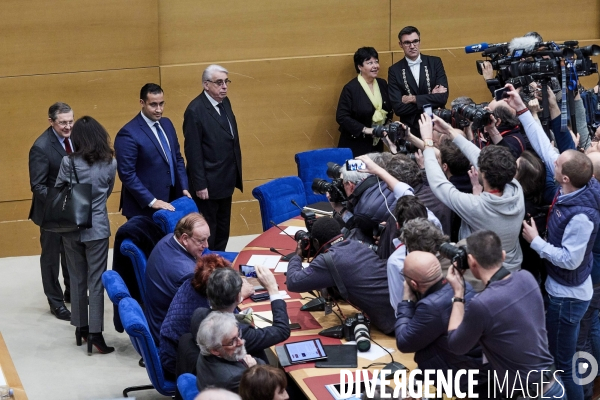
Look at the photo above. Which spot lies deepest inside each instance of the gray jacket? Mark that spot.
(102, 177)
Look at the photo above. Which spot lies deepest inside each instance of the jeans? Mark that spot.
(562, 323)
(556, 391)
(589, 337)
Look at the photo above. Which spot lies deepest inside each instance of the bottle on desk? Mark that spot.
(6, 392)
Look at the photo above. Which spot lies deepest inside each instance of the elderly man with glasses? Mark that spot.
(416, 80)
(223, 358)
(212, 150)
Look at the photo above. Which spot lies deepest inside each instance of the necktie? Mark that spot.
(165, 146)
(68, 148)
(223, 117)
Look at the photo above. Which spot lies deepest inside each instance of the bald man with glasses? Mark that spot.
(416, 80)
(213, 153)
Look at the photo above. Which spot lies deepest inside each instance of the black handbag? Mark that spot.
(68, 208)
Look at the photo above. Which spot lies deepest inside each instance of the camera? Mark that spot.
(479, 116)
(356, 328)
(335, 188)
(305, 239)
(395, 131)
(455, 254)
(451, 117)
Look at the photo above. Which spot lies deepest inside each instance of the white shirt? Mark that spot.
(153, 129)
(61, 140)
(216, 106)
(415, 68)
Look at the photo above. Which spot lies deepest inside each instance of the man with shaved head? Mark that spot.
(423, 315)
(566, 250)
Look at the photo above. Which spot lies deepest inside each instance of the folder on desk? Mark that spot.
(339, 356)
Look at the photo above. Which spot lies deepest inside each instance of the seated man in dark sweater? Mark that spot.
(172, 262)
(422, 322)
(506, 319)
(363, 273)
(223, 358)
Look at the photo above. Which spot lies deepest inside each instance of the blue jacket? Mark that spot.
(422, 328)
(370, 207)
(177, 322)
(586, 202)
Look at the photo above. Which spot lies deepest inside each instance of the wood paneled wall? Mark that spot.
(288, 62)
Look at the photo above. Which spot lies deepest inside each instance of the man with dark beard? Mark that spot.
(223, 357)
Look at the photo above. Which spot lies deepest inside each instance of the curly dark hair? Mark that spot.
(205, 266)
(405, 170)
(498, 164)
(363, 54)
(407, 208)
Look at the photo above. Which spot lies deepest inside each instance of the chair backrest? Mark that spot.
(313, 164)
(275, 197)
(167, 220)
(115, 287)
(136, 326)
(188, 388)
(228, 255)
(138, 259)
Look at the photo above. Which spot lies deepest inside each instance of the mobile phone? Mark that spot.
(355, 165)
(294, 326)
(248, 271)
(259, 288)
(501, 93)
(260, 296)
(428, 110)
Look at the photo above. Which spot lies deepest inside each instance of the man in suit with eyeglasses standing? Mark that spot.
(416, 80)
(213, 154)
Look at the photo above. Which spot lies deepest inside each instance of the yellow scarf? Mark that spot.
(376, 99)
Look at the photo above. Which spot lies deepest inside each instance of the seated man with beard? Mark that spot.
(223, 357)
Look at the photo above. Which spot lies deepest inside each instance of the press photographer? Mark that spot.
(507, 319)
(361, 276)
(368, 203)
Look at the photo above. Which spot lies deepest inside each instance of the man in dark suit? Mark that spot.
(416, 80)
(149, 162)
(45, 158)
(212, 150)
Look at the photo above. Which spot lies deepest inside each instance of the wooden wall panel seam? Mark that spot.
(79, 72)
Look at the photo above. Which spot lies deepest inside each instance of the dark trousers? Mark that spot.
(51, 259)
(217, 213)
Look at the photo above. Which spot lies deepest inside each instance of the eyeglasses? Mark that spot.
(235, 340)
(65, 123)
(220, 82)
(413, 43)
(199, 241)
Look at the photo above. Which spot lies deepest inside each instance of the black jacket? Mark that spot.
(354, 112)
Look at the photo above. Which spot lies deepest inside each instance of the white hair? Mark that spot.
(353, 176)
(207, 75)
(213, 330)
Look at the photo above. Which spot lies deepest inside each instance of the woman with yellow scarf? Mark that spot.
(364, 103)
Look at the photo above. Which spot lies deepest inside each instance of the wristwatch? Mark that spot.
(457, 300)
(428, 142)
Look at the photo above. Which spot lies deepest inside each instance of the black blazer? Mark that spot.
(45, 157)
(354, 112)
(410, 113)
(214, 158)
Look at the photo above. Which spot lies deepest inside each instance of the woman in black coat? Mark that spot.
(357, 112)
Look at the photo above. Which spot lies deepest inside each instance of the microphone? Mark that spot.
(274, 250)
(277, 226)
(296, 204)
(476, 48)
(283, 256)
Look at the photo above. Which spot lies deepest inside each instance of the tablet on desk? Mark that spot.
(305, 351)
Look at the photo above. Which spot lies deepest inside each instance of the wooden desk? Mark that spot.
(299, 375)
(10, 373)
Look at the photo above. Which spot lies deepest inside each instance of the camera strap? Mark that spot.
(335, 275)
(499, 275)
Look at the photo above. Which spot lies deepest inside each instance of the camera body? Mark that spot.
(478, 115)
(357, 328)
(335, 188)
(456, 254)
(393, 130)
(305, 239)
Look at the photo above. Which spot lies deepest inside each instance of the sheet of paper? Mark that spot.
(282, 266)
(267, 261)
(284, 294)
(374, 352)
(291, 230)
(259, 323)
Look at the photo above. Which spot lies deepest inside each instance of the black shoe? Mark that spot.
(141, 363)
(81, 332)
(61, 312)
(67, 296)
(97, 340)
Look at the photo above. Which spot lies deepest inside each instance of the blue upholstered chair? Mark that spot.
(186, 383)
(115, 287)
(136, 326)
(167, 220)
(275, 197)
(138, 259)
(313, 164)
